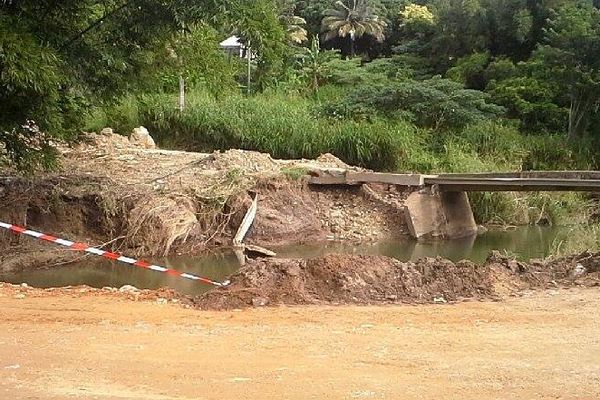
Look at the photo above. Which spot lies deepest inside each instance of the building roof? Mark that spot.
(232, 41)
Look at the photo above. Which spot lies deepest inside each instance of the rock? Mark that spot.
(24, 285)
(578, 271)
(336, 214)
(128, 289)
(141, 137)
(439, 300)
(260, 301)
(293, 270)
(161, 300)
(495, 257)
(253, 251)
(19, 296)
(107, 132)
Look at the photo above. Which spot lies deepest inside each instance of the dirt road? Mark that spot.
(544, 345)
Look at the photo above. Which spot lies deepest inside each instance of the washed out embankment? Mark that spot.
(114, 194)
(346, 279)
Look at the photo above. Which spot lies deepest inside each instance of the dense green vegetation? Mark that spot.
(422, 85)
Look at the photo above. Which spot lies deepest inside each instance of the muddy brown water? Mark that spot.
(524, 242)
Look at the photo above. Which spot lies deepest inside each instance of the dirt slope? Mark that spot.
(347, 279)
(157, 202)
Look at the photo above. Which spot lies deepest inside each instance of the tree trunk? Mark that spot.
(352, 50)
(249, 72)
(181, 93)
(582, 103)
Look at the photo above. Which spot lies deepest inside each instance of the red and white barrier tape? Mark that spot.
(107, 254)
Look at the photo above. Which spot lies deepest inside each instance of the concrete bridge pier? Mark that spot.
(431, 213)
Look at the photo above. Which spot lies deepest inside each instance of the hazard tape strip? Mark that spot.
(107, 254)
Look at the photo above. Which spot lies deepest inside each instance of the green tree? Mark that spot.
(295, 30)
(260, 25)
(193, 56)
(436, 103)
(458, 31)
(470, 70)
(353, 21)
(55, 55)
(572, 55)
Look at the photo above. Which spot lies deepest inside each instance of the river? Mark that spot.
(523, 242)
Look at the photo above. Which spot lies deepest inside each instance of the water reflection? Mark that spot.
(526, 242)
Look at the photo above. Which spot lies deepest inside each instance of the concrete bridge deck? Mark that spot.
(585, 181)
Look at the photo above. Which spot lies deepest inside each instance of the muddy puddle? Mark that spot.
(524, 242)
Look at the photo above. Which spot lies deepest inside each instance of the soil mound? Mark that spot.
(348, 279)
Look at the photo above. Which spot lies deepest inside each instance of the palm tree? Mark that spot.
(295, 30)
(354, 20)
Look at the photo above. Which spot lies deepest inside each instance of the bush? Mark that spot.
(538, 208)
(531, 101)
(435, 103)
(470, 70)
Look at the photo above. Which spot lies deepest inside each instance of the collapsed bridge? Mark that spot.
(439, 206)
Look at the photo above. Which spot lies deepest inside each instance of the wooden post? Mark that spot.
(181, 93)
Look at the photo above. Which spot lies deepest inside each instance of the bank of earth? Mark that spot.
(147, 202)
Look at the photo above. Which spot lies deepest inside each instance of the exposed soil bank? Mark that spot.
(143, 202)
(346, 279)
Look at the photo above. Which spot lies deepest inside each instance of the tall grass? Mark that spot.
(282, 126)
(535, 208)
(577, 239)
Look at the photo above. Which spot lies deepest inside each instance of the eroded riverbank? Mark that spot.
(158, 203)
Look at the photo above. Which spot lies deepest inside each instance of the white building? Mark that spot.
(233, 47)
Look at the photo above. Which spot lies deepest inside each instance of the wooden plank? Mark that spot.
(246, 222)
(520, 181)
(378, 177)
(348, 177)
(513, 184)
(528, 174)
(327, 180)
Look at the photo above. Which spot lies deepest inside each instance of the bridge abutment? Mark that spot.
(435, 214)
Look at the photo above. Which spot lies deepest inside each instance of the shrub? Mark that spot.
(435, 103)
